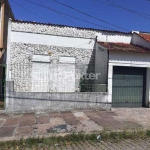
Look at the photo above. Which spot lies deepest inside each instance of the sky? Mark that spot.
(121, 15)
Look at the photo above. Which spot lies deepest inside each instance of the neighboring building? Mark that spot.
(5, 14)
(128, 75)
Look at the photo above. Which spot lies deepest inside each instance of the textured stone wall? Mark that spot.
(21, 61)
(55, 30)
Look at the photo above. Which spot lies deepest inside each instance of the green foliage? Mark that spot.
(36, 143)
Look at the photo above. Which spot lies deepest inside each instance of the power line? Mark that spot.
(59, 14)
(111, 3)
(90, 15)
(119, 6)
(30, 11)
(68, 15)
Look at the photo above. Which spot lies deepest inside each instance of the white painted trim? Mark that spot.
(129, 64)
(110, 76)
(8, 73)
(33, 38)
(54, 34)
(70, 60)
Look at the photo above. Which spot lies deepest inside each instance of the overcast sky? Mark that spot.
(135, 17)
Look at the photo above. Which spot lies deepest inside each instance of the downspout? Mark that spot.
(2, 28)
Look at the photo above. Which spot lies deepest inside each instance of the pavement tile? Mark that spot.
(56, 121)
(41, 129)
(24, 131)
(70, 118)
(41, 114)
(87, 125)
(4, 116)
(26, 122)
(28, 115)
(80, 115)
(54, 114)
(42, 119)
(11, 121)
(91, 114)
(7, 131)
(1, 122)
(106, 114)
(129, 125)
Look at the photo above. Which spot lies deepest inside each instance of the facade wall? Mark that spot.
(21, 61)
(101, 68)
(52, 30)
(101, 62)
(113, 37)
(129, 59)
(137, 40)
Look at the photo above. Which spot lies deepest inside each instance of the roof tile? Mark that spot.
(145, 36)
(123, 47)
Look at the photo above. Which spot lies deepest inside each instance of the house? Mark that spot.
(59, 67)
(5, 14)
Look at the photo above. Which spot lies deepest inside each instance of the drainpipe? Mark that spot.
(2, 24)
(2, 28)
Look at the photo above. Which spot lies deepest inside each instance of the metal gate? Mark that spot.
(128, 87)
(2, 86)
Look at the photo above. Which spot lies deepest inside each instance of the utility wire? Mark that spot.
(68, 15)
(30, 11)
(89, 15)
(119, 6)
(60, 14)
(111, 3)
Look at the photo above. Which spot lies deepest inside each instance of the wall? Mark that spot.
(113, 37)
(52, 30)
(101, 68)
(21, 61)
(129, 59)
(101, 62)
(21, 102)
(137, 40)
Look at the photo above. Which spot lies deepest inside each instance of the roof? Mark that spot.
(123, 47)
(82, 28)
(145, 36)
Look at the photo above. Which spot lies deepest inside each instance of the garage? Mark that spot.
(128, 89)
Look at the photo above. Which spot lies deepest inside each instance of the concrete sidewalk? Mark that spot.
(15, 126)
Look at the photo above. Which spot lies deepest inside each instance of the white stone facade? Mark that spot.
(21, 61)
(54, 30)
(27, 39)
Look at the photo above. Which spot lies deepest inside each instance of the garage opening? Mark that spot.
(129, 86)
